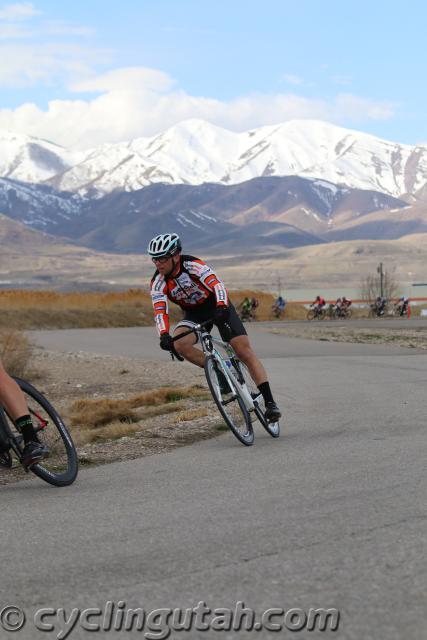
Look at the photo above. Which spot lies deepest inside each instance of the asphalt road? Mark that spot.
(331, 515)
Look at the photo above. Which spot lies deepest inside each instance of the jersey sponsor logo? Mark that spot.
(157, 297)
(221, 294)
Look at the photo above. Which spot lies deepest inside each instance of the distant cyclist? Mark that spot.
(192, 284)
(381, 304)
(279, 306)
(245, 309)
(318, 304)
(402, 305)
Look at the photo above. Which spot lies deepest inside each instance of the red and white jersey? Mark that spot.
(193, 285)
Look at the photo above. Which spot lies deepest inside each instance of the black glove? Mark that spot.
(222, 314)
(166, 342)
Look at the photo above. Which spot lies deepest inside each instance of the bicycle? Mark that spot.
(344, 313)
(61, 467)
(242, 403)
(316, 313)
(245, 314)
(277, 312)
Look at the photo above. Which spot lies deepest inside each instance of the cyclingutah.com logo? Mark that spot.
(158, 624)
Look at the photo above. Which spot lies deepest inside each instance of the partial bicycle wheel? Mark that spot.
(273, 428)
(311, 314)
(230, 405)
(61, 467)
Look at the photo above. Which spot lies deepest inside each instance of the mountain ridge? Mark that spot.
(197, 152)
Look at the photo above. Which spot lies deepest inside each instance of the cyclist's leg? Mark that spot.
(11, 396)
(240, 342)
(185, 346)
(246, 354)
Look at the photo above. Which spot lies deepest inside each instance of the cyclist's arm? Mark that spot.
(160, 305)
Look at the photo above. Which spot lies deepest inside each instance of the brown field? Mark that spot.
(34, 309)
(24, 309)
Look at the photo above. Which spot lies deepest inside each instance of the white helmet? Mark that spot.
(166, 244)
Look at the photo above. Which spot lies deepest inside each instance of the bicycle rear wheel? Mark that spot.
(61, 467)
(273, 428)
(231, 405)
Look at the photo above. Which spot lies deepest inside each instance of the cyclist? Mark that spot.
(279, 306)
(246, 309)
(254, 305)
(318, 304)
(13, 400)
(402, 305)
(346, 304)
(381, 304)
(191, 284)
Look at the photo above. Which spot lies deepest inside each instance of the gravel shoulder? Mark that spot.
(415, 337)
(67, 377)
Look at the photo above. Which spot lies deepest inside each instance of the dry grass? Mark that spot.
(191, 414)
(51, 310)
(105, 418)
(16, 351)
(24, 309)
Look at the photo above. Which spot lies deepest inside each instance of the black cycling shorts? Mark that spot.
(205, 312)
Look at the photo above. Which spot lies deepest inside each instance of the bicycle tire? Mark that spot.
(272, 428)
(61, 467)
(311, 314)
(237, 408)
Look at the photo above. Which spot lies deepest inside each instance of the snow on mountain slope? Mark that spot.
(196, 152)
(31, 159)
(37, 206)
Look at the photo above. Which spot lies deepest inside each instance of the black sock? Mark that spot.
(264, 387)
(25, 426)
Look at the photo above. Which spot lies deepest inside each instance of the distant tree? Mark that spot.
(370, 287)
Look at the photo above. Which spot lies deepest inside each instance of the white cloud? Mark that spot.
(137, 102)
(43, 51)
(29, 64)
(18, 11)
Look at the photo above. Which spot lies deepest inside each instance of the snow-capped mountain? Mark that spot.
(31, 159)
(194, 152)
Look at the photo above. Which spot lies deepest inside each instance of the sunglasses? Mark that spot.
(161, 260)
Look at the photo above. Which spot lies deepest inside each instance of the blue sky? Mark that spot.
(83, 73)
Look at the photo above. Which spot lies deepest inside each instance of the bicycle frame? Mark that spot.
(208, 343)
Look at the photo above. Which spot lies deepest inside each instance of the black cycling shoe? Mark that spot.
(33, 453)
(272, 412)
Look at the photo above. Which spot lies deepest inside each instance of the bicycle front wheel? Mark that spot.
(61, 467)
(230, 405)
